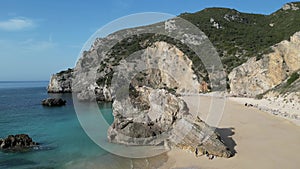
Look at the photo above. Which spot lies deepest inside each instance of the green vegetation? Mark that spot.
(292, 78)
(240, 37)
(244, 35)
(69, 70)
(291, 85)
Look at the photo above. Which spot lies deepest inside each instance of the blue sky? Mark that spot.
(39, 37)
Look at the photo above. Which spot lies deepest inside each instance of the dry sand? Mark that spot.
(261, 140)
(280, 107)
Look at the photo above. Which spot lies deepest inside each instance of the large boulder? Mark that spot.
(19, 142)
(157, 117)
(52, 102)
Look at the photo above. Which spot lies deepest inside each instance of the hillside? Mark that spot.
(236, 36)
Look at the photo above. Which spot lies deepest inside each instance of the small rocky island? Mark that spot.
(16, 143)
(54, 102)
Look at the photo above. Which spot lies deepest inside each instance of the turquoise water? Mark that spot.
(62, 139)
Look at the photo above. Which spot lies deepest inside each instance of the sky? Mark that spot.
(41, 37)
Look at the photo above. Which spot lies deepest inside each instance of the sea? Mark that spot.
(57, 129)
(64, 144)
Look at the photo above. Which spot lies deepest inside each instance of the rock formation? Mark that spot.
(53, 102)
(61, 82)
(95, 68)
(155, 117)
(258, 76)
(19, 142)
(164, 64)
(290, 6)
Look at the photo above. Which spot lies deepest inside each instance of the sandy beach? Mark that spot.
(280, 107)
(261, 140)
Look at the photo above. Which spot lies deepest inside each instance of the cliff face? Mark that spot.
(160, 65)
(256, 77)
(61, 82)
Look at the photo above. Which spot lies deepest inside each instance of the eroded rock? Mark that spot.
(258, 76)
(164, 119)
(19, 142)
(61, 82)
(290, 6)
(53, 102)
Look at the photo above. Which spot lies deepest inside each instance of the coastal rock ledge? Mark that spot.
(19, 142)
(158, 117)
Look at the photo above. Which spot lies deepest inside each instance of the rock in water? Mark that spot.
(157, 117)
(51, 102)
(19, 142)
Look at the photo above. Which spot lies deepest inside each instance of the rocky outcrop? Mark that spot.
(258, 76)
(19, 142)
(53, 102)
(95, 70)
(61, 82)
(163, 64)
(95, 92)
(156, 117)
(290, 6)
(284, 99)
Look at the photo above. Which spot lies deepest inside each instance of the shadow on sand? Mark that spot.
(226, 135)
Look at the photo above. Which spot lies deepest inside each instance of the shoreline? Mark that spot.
(260, 141)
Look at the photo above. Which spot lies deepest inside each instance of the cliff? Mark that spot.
(258, 76)
(61, 82)
(250, 79)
